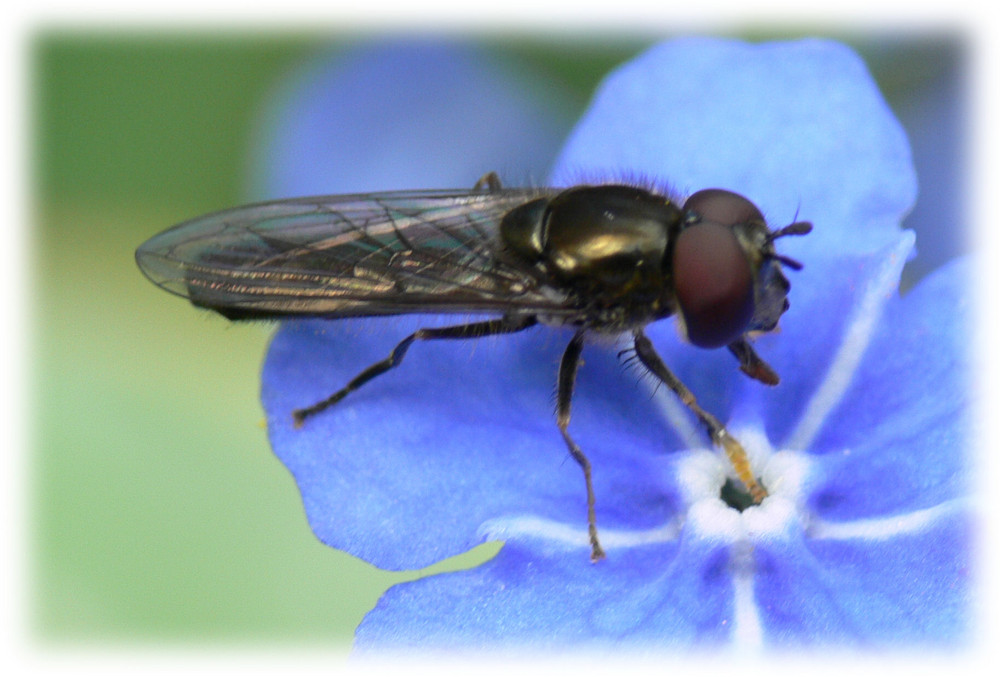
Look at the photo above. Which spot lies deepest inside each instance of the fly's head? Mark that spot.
(727, 275)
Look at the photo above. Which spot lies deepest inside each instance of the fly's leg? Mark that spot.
(504, 325)
(751, 363)
(716, 431)
(567, 380)
(489, 182)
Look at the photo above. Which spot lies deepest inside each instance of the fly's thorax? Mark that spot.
(606, 245)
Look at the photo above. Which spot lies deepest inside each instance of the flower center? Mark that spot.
(719, 505)
(735, 495)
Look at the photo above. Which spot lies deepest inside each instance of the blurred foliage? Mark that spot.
(150, 117)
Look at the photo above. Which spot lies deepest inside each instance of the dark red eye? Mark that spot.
(713, 283)
(722, 206)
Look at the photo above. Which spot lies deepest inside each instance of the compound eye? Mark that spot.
(722, 206)
(713, 283)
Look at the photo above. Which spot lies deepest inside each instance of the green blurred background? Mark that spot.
(158, 512)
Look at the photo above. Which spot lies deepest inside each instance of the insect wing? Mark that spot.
(349, 255)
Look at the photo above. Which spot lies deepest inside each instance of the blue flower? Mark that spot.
(865, 537)
(404, 115)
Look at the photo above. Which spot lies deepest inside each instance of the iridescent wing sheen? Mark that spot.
(352, 255)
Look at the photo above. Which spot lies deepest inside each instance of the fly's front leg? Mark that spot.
(751, 363)
(567, 380)
(504, 325)
(716, 431)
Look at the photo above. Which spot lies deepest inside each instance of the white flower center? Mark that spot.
(702, 473)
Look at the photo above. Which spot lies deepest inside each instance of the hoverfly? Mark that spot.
(601, 259)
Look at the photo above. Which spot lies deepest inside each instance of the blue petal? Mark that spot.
(836, 304)
(676, 595)
(900, 438)
(795, 126)
(405, 471)
(911, 588)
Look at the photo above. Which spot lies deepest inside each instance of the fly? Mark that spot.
(601, 259)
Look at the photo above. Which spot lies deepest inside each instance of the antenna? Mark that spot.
(797, 228)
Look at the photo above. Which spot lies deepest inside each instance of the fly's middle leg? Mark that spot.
(564, 395)
(504, 325)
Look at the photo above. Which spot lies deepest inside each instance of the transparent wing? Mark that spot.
(350, 255)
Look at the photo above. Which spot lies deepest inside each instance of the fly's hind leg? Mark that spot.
(504, 325)
(716, 431)
(567, 380)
